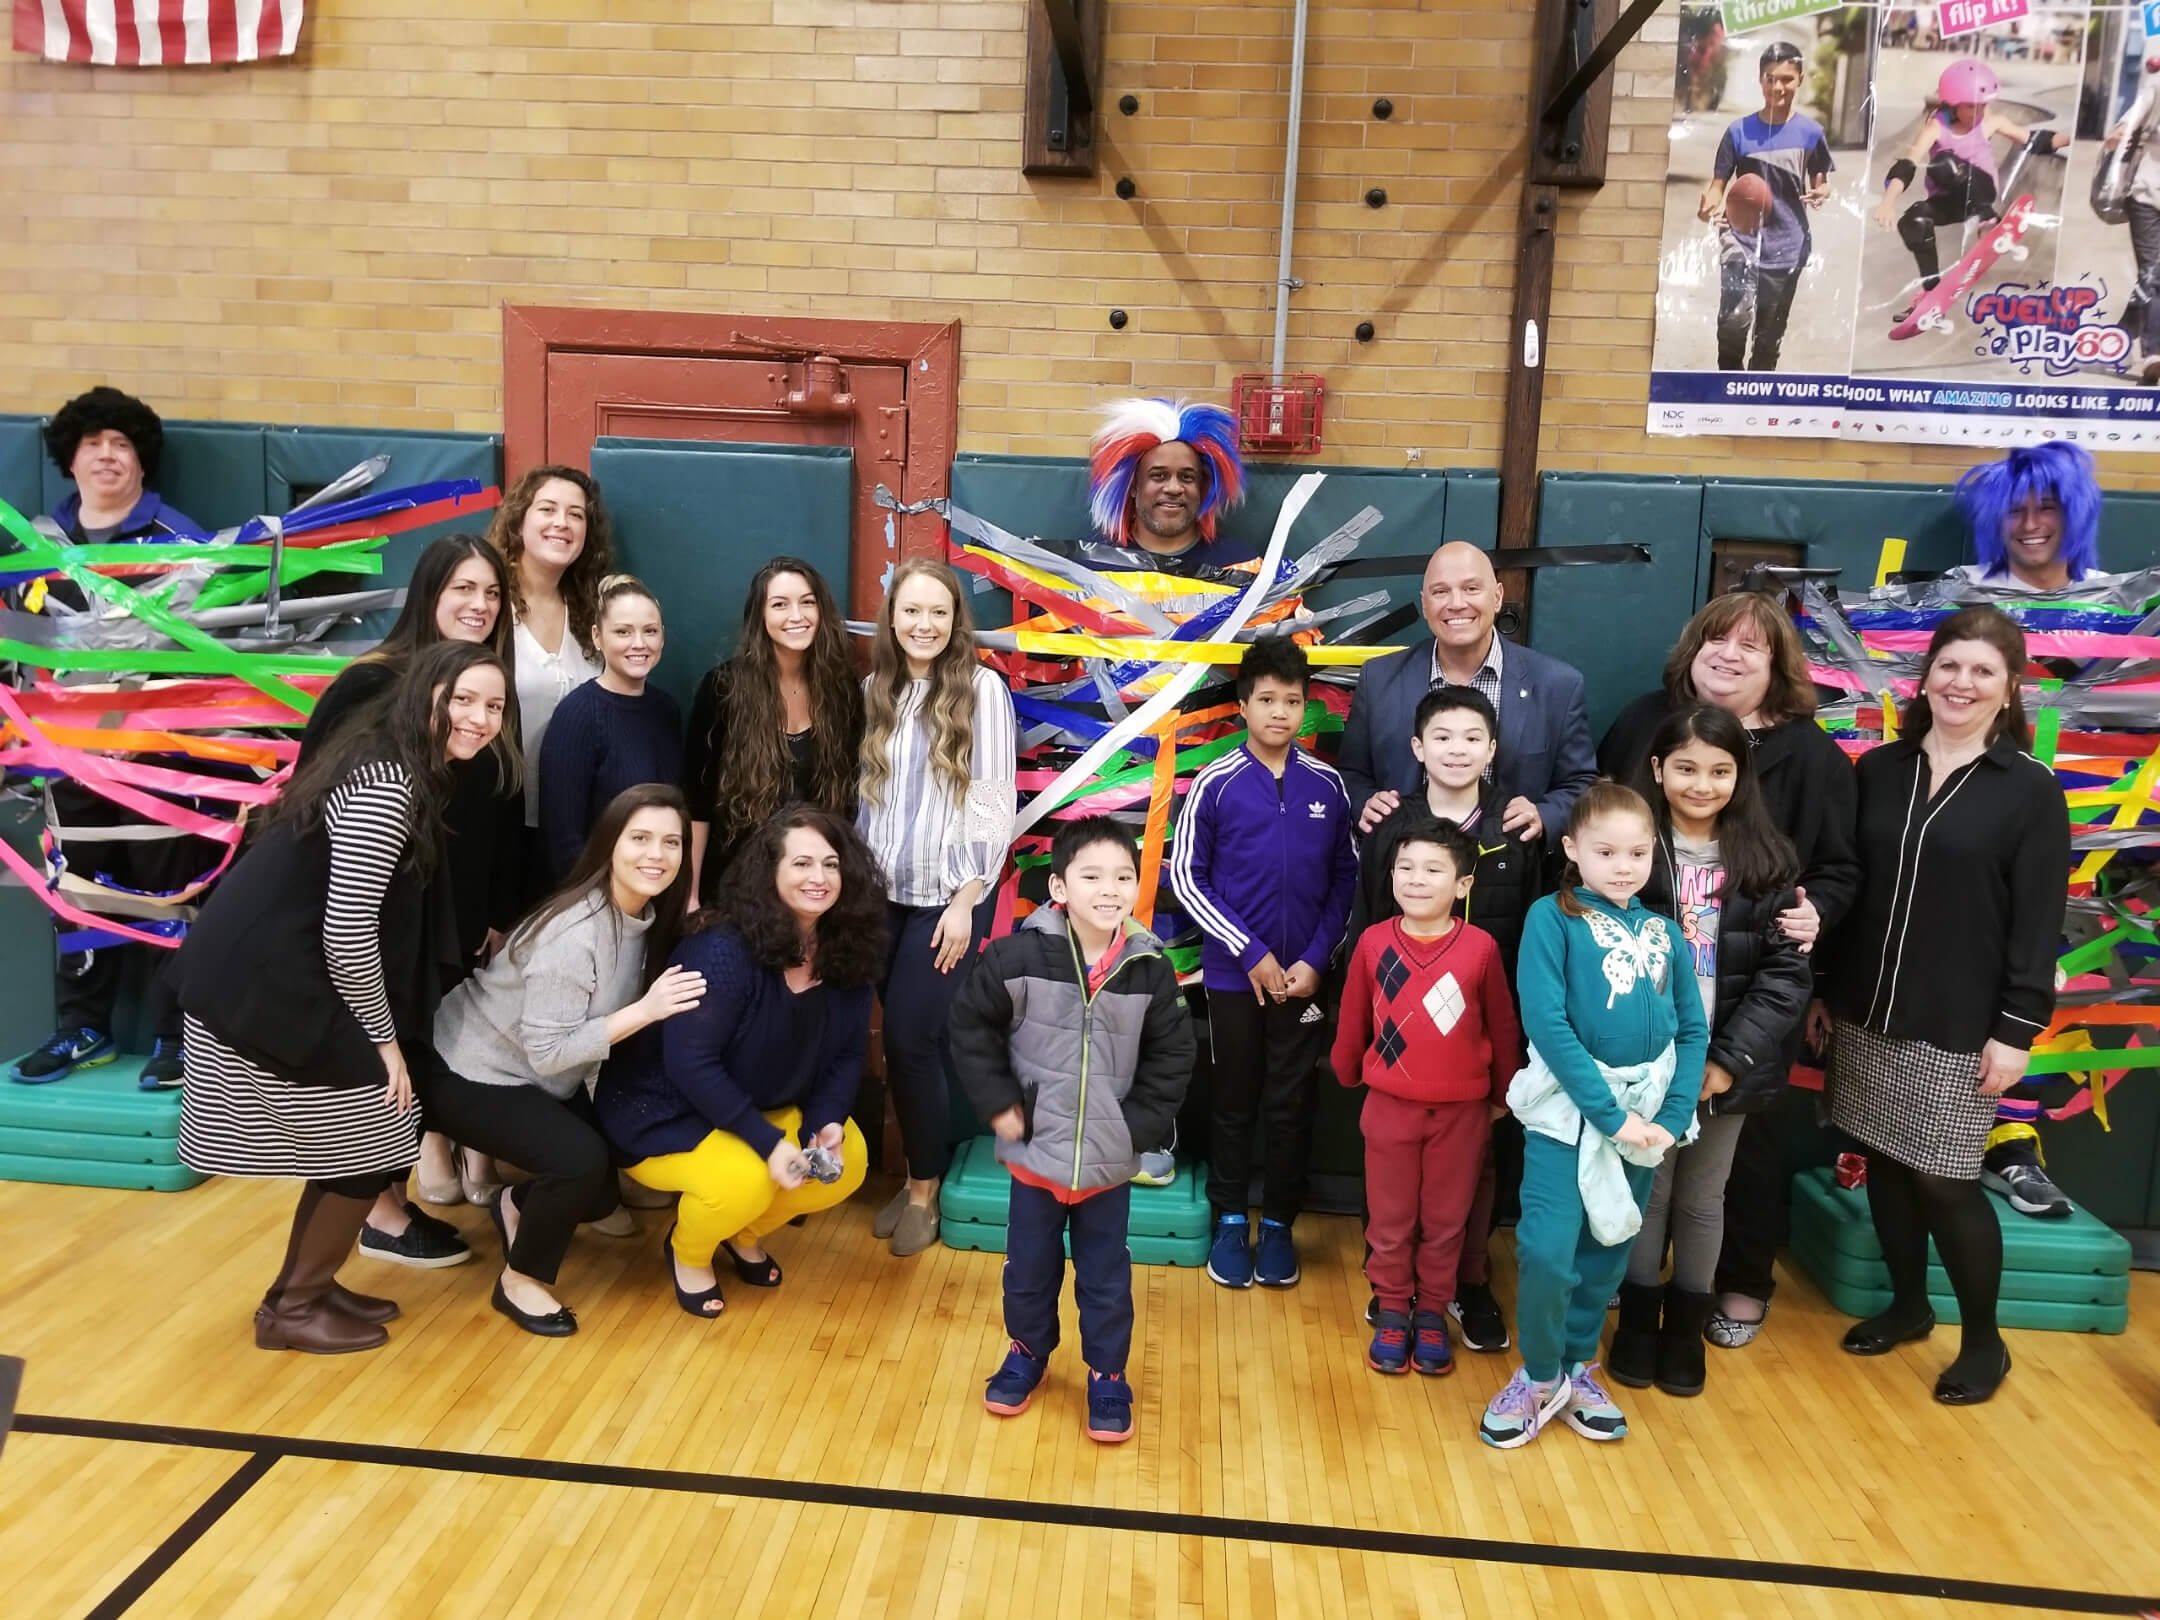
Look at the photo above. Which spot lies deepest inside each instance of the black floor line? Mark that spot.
(192, 1529)
(269, 1447)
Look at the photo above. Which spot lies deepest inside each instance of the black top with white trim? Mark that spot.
(1954, 935)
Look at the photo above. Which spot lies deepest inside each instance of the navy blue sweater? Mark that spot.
(749, 1046)
(599, 743)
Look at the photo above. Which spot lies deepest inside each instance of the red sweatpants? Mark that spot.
(1422, 1163)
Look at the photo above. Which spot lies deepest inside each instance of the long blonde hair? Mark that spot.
(948, 710)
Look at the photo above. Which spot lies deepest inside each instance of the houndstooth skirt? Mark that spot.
(1915, 1102)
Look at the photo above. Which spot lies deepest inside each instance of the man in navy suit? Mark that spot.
(1545, 759)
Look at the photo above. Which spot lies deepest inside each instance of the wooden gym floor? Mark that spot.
(823, 1451)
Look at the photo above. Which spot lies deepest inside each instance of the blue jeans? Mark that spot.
(1036, 1224)
(1564, 1277)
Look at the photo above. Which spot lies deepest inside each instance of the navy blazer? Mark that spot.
(1545, 751)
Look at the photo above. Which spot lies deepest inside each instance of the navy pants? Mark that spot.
(1036, 1227)
(917, 998)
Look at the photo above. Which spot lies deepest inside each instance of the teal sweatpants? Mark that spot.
(1564, 1277)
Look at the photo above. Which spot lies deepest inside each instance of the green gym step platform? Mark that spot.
(2067, 1275)
(96, 1128)
(1169, 1225)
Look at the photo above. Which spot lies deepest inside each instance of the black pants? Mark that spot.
(1263, 1062)
(1966, 193)
(86, 989)
(1758, 1201)
(1757, 300)
(1036, 1225)
(917, 999)
(2141, 318)
(557, 1141)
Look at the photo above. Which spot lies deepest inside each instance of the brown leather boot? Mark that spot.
(362, 1307)
(299, 1313)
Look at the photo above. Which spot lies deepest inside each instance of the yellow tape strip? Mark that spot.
(2139, 794)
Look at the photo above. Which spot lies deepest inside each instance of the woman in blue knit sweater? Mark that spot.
(612, 733)
(719, 1104)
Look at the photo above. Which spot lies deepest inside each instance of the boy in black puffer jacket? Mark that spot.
(1457, 741)
(1723, 873)
(1074, 1043)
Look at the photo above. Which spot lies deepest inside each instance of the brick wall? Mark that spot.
(329, 241)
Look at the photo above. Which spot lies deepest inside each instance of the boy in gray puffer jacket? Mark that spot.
(1074, 1043)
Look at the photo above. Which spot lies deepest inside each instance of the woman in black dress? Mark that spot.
(310, 991)
(779, 721)
(1943, 976)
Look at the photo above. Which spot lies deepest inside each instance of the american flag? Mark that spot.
(156, 33)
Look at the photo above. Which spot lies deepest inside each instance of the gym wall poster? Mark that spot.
(1926, 224)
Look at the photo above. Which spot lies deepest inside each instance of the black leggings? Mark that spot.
(1964, 193)
(557, 1141)
(1910, 1206)
(370, 1186)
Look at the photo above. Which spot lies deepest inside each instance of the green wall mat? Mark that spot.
(976, 1189)
(2057, 1287)
(105, 1102)
(1837, 1219)
(2055, 1316)
(1146, 1251)
(98, 1173)
(14, 1140)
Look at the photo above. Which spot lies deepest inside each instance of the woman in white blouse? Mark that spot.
(939, 746)
(552, 531)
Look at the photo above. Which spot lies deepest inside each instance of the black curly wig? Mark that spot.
(95, 412)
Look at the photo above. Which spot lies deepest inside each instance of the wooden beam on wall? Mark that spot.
(1057, 127)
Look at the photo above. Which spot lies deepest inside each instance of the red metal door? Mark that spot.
(885, 390)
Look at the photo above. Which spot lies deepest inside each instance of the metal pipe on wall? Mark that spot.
(1285, 282)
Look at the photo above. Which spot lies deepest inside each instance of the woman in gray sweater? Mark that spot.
(523, 1039)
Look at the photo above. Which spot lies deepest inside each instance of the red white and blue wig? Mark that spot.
(1133, 427)
(1991, 494)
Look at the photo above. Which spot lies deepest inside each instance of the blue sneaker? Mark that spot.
(1431, 1354)
(1591, 1411)
(1013, 1385)
(1229, 1261)
(1109, 1414)
(166, 1067)
(67, 1051)
(1277, 1264)
(1390, 1348)
(1520, 1410)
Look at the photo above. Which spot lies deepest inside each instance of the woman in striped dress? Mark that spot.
(310, 988)
(939, 759)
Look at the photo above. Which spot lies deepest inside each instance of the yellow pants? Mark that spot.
(728, 1192)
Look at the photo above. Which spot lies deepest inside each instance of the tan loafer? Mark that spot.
(888, 1218)
(918, 1228)
(637, 1195)
(617, 1223)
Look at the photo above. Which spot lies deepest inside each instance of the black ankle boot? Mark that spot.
(1680, 1342)
(1633, 1355)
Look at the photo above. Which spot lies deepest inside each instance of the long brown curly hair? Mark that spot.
(580, 585)
(850, 938)
(757, 774)
(948, 710)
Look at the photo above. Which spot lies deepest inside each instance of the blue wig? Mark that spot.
(1992, 492)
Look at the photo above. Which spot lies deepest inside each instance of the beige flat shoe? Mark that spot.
(918, 1228)
(636, 1195)
(617, 1223)
(441, 1193)
(480, 1190)
(888, 1218)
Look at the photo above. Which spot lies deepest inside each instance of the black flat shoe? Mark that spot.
(1969, 1388)
(1879, 1335)
(692, 1304)
(763, 1273)
(559, 1323)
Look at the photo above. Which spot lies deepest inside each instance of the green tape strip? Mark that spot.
(2134, 1057)
(163, 662)
(2046, 733)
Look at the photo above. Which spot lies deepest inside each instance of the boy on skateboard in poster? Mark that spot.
(1954, 152)
(1771, 167)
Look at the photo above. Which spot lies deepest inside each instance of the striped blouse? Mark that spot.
(927, 845)
(369, 820)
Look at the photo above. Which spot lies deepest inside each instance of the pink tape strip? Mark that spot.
(34, 881)
(2039, 643)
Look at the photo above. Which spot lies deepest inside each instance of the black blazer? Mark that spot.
(1545, 754)
(252, 967)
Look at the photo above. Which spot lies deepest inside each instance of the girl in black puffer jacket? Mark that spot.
(1723, 873)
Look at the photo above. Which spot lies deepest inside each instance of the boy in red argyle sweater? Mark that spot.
(1428, 1028)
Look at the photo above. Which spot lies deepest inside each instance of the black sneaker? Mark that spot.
(64, 1051)
(1478, 1322)
(165, 1068)
(426, 1243)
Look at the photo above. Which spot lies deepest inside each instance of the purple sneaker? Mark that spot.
(1520, 1410)
(1591, 1411)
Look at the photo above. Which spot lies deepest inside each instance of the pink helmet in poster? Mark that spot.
(1966, 81)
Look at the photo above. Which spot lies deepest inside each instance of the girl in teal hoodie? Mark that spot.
(1617, 1040)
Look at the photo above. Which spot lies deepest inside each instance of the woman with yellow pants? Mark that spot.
(720, 1103)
